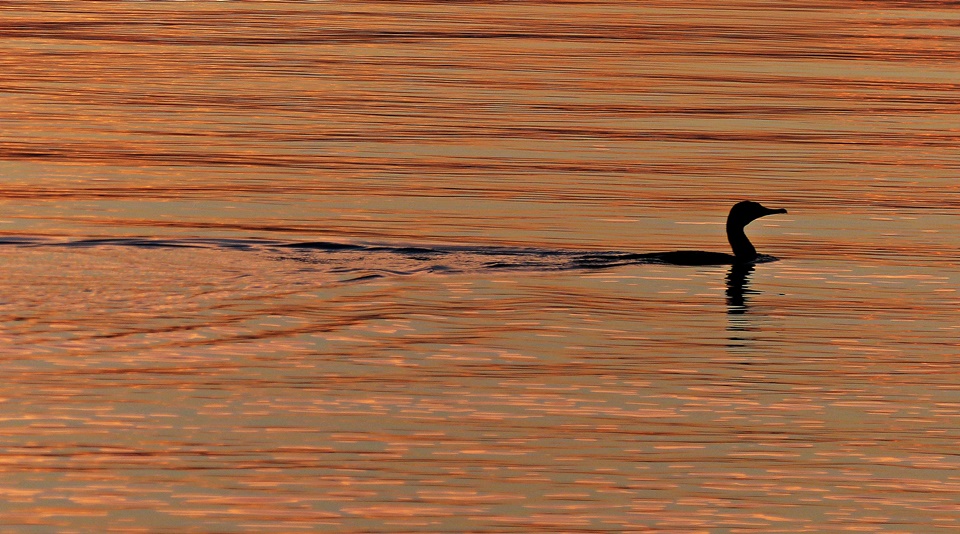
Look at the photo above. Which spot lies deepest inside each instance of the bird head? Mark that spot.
(743, 213)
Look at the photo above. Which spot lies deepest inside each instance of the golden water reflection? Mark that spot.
(181, 375)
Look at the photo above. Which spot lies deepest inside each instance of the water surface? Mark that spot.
(314, 266)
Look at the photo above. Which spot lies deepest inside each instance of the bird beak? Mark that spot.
(773, 211)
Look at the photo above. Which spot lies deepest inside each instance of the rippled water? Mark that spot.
(374, 267)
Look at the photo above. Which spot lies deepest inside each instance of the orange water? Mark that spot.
(170, 365)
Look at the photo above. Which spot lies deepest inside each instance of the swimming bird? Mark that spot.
(741, 214)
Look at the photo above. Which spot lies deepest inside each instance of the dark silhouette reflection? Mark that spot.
(738, 287)
(738, 307)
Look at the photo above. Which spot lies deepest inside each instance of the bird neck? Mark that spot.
(742, 247)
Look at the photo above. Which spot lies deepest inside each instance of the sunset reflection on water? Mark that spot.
(280, 266)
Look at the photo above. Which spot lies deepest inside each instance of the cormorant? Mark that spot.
(741, 214)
